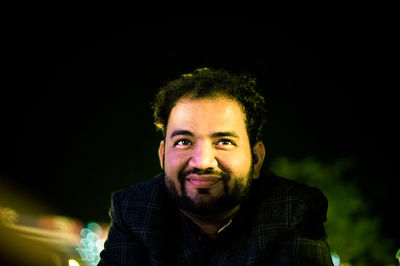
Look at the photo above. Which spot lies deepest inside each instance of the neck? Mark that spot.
(211, 224)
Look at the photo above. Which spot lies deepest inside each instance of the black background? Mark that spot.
(76, 122)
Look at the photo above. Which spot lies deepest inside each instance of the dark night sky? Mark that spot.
(76, 123)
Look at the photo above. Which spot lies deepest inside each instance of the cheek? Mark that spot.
(174, 161)
(237, 164)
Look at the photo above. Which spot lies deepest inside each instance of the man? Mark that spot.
(214, 204)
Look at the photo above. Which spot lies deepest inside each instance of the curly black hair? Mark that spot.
(206, 82)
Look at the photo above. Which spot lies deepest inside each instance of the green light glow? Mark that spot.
(335, 259)
(91, 243)
(353, 233)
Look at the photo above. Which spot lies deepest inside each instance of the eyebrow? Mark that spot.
(225, 134)
(181, 132)
(214, 135)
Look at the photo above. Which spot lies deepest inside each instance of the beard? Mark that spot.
(204, 203)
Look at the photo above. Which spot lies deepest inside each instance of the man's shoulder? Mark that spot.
(143, 212)
(274, 187)
(145, 194)
(289, 201)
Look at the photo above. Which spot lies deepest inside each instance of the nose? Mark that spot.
(203, 157)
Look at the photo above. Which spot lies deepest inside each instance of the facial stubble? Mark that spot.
(204, 203)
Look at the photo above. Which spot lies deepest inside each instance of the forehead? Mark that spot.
(207, 114)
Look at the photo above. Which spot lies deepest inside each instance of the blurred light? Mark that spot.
(8, 215)
(60, 223)
(72, 262)
(92, 244)
(335, 259)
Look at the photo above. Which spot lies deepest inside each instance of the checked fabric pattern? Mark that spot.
(281, 223)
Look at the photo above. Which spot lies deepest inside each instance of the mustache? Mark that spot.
(197, 171)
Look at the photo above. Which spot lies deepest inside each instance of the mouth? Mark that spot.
(203, 181)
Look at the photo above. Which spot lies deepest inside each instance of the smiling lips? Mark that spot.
(203, 181)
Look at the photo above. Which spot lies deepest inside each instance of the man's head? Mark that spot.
(208, 119)
(205, 82)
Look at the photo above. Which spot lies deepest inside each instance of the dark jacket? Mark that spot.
(281, 223)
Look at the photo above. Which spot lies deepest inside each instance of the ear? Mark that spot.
(258, 158)
(161, 150)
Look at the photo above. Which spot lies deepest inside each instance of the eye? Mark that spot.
(225, 142)
(182, 142)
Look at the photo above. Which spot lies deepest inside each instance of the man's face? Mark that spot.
(206, 155)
